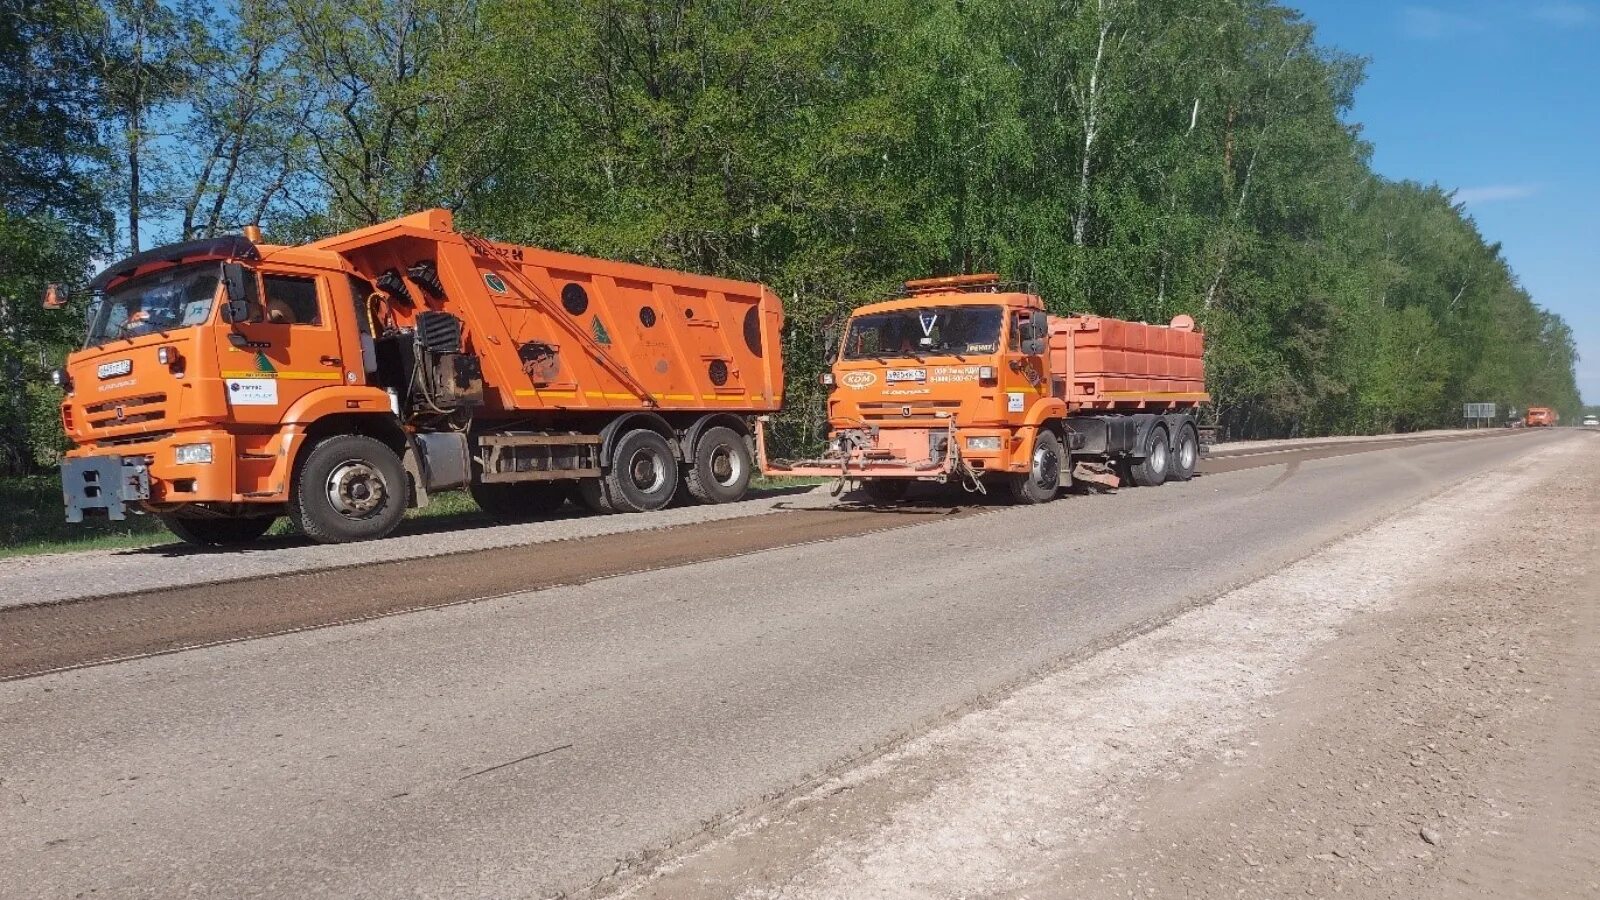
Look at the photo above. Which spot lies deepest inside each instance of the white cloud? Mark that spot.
(1566, 15)
(1494, 193)
(1430, 24)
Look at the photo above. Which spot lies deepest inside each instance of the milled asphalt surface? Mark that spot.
(524, 746)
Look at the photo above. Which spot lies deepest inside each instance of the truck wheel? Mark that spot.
(519, 501)
(1185, 454)
(644, 473)
(1153, 469)
(721, 469)
(887, 490)
(216, 532)
(350, 488)
(1044, 471)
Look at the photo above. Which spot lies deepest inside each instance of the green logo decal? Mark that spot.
(600, 334)
(263, 364)
(494, 282)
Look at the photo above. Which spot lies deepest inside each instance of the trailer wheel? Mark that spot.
(519, 501)
(887, 490)
(1185, 454)
(644, 473)
(720, 472)
(217, 532)
(349, 488)
(1045, 468)
(1154, 468)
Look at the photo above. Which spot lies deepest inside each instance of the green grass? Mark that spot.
(32, 520)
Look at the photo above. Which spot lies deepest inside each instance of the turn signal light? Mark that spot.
(826, 378)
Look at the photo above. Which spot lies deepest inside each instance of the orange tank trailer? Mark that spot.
(227, 382)
(965, 379)
(1541, 417)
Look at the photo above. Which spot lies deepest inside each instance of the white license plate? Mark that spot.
(115, 369)
(906, 375)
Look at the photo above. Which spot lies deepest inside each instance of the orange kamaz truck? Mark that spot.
(966, 379)
(227, 382)
(1541, 417)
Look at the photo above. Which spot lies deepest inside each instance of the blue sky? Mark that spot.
(1501, 102)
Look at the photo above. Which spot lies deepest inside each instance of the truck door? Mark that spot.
(293, 348)
(1024, 376)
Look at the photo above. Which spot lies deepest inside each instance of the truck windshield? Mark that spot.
(173, 298)
(946, 330)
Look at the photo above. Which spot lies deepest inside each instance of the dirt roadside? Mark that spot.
(1414, 711)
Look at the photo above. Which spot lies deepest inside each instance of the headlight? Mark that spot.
(193, 454)
(983, 443)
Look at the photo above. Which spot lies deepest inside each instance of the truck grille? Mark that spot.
(126, 411)
(923, 409)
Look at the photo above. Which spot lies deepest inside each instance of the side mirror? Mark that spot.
(55, 296)
(1033, 328)
(238, 285)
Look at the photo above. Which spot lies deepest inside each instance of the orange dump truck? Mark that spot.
(226, 382)
(963, 379)
(1541, 417)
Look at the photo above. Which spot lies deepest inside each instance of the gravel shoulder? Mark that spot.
(69, 576)
(1413, 711)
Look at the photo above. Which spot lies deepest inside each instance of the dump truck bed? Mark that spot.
(1111, 364)
(557, 331)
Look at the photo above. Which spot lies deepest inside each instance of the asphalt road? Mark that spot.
(530, 744)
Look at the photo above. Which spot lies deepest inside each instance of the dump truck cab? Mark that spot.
(970, 380)
(202, 363)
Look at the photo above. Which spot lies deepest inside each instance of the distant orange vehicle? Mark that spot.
(963, 379)
(1542, 417)
(226, 382)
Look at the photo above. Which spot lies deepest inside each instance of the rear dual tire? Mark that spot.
(643, 476)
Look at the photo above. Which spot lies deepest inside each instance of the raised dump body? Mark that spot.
(227, 382)
(964, 380)
(555, 331)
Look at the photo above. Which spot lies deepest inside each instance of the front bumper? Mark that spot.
(926, 454)
(107, 483)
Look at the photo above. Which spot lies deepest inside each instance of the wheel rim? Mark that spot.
(355, 489)
(1158, 456)
(1046, 467)
(1186, 453)
(726, 466)
(646, 471)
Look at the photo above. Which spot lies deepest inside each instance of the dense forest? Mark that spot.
(1136, 158)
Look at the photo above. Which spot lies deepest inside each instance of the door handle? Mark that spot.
(332, 361)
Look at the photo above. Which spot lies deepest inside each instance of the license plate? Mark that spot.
(906, 375)
(115, 369)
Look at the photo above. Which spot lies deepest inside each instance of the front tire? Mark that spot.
(720, 472)
(1153, 469)
(350, 488)
(226, 531)
(1045, 468)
